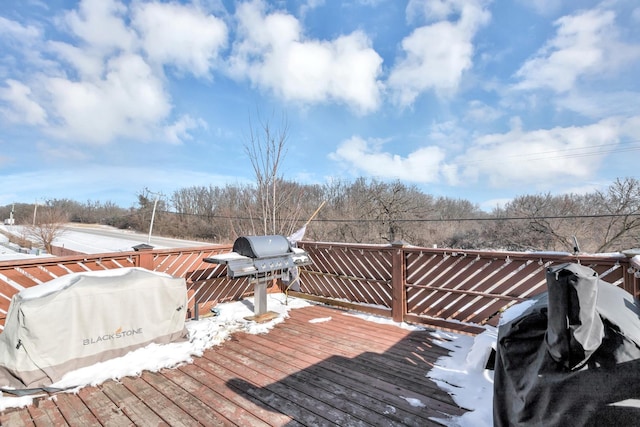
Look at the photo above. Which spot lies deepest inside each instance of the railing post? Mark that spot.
(398, 292)
(146, 260)
(145, 256)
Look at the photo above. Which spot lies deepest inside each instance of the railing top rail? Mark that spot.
(82, 257)
(345, 245)
(556, 256)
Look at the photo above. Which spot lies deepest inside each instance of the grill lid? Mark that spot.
(262, 246)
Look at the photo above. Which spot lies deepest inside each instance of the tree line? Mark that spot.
(361, 211)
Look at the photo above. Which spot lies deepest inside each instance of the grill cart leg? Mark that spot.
(260, 313)
(260, 298)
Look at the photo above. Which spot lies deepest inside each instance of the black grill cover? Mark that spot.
(262, 246)
(571, 355)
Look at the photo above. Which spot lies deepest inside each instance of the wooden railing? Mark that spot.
(444, 288)
(205, 282)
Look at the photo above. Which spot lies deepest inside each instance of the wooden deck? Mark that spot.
(345, 371)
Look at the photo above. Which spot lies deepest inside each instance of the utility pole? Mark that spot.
(12, 220)
(153, 214)
(35, 210)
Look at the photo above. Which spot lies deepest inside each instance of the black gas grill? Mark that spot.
(262, 259)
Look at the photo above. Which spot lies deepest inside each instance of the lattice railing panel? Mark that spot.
(469, 286)
(356, 273)
(459, 286)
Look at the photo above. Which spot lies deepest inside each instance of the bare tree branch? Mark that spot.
(278, 203)
(48, 224)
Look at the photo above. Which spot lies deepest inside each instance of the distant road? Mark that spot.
(98, 239)
(94, 239)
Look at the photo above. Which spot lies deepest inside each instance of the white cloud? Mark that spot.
(24, 108)
(128, 102)
(18, 33)
(424, 165)
(20, 48)
(540, 157)
(310, 5)
(586, 43)
(179, 131)
(273, 53)
(180, 35)
(100, 25)
(630, 128)
(563, 157)
(437, 55)
(105, 80)
(88, 65)
(597, 105)
(480, 112)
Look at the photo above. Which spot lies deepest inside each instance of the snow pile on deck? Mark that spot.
(463, 375)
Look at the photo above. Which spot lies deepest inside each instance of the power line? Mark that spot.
(371, 220)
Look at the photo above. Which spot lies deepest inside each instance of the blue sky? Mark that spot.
(473, 99)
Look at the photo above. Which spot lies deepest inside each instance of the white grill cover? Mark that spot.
(84, 318)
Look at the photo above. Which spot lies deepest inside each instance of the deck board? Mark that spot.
(320, 367)
(102, 407)
(224, 408)
(217, 377)
(44, 413)
(165, 407)
(74, 411)
(130, 405)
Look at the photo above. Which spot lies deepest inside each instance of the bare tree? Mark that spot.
(621, 202)
(380, 211)
(278, 205)
(391, 203)
(458, 224)
(601, 221)
(544, 224)
(47, 224)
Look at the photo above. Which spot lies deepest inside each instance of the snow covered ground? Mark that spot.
(92, 239)
(9, 251)
(462, 373)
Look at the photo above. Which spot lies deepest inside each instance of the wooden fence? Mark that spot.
(445, 288)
